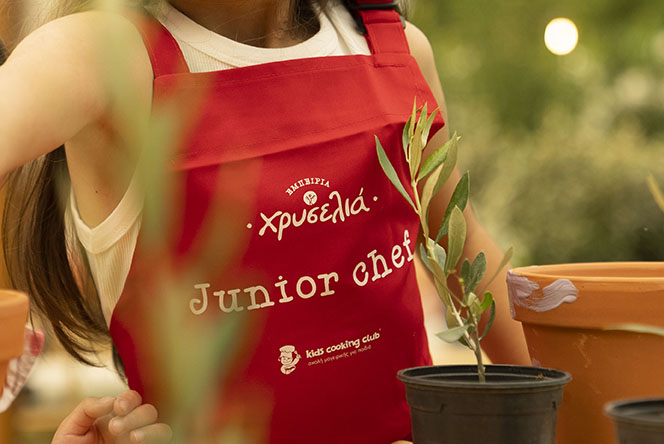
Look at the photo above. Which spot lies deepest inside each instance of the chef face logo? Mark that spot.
(288, 358)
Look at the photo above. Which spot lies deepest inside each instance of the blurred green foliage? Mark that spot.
(559, 147)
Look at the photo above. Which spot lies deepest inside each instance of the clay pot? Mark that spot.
(566, 310)
(516, 405)
(13, 316)
(638, 421)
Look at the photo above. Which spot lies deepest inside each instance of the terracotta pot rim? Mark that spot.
(593, 300)
(561, 271)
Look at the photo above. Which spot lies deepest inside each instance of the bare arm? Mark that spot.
(54, 84)
(505, 343)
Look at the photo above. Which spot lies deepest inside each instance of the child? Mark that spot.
(280, 217)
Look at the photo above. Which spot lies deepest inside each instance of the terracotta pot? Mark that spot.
(13, 316)
(565, 311)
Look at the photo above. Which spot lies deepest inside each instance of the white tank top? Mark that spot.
(110, 245)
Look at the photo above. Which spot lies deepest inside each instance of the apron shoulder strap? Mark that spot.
(382, 26)
(165, 54)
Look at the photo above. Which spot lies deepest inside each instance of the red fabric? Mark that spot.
(384, 31)
(281, 208)
(373, 2)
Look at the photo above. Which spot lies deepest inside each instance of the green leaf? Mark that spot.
(656, 192)
(465, 274)
(492, 316)
(506, 258)
(439, 252)
(473, 302)
(157, 145)
(413, 117)
(416, 146)
(456, 238)
(391, 173)
(445, 296)
(453, 334)
(411, 131)
(459, 199)
(476, 306)
(427, 127)
(451, 320)
(427, 192)
(423, 119)
(450, 163)
(425, 257)
(405, 137)
(434, 267)
(435, 159)
(486, 301)
(477, 271)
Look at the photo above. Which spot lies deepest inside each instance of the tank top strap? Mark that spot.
(382, 25)
(165, 54)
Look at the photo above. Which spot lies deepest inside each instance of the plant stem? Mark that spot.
(481, 373)
(450, 306)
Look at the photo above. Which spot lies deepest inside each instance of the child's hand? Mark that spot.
(120, 420)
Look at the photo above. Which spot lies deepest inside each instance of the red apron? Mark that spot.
(284, 227)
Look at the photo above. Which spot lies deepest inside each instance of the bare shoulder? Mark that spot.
(80, 36)
(88, 25)
(59, 76)
(420, 48)
(80, 49)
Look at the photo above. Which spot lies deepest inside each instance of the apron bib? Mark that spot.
(289, 254)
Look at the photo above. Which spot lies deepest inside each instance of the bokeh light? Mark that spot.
(561, 36)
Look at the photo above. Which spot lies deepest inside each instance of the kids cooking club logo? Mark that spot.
(289, 357)
(320, 206)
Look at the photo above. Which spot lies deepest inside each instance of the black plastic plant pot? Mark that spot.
(638, 421)
(516, 405)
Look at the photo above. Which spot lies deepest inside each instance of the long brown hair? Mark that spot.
(46, 263)
(3, 53)
(42, 259)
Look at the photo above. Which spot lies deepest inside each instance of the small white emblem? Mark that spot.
(310, 197)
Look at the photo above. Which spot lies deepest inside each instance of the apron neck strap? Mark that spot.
(382, 26)
(165, 54)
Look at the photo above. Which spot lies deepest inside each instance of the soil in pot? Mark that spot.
(13, 316)
(565, 311)
(517, 405)
(638, 421)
